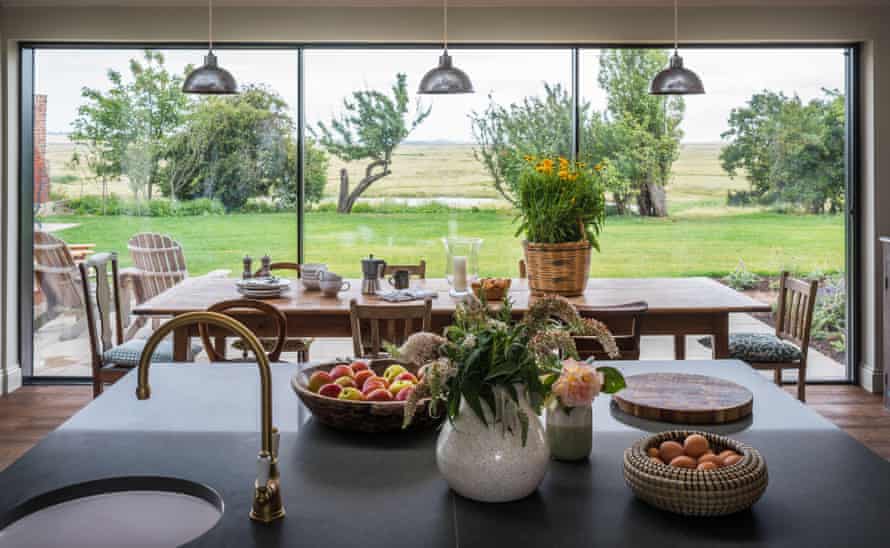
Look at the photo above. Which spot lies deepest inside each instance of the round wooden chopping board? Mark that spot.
(685, 399)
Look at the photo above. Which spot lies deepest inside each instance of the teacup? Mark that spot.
(309, 274)
(331, 284)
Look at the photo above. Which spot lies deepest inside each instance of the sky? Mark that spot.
(730, 77)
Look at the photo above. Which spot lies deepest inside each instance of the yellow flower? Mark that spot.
(580, 165)
(573, 177)
(529, 158)
(598, 167)
(563, 174)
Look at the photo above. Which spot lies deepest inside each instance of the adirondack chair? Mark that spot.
(59, 280)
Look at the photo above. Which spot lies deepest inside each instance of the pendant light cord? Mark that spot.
(445, 24)
(676, 25)
(210, 31)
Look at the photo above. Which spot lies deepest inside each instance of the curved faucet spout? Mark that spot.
(267, 504)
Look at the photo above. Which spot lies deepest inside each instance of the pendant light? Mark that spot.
(445, 78)
(676, 80)
(210, 79)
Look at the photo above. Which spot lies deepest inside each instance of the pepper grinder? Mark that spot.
(248, 271)
(266, 268)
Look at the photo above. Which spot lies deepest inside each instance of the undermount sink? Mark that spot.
(137, 511)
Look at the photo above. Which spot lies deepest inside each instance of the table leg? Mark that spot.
(181, 344)
(679, 347)
(721, 337)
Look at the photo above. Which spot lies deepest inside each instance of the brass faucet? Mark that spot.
(267, 505)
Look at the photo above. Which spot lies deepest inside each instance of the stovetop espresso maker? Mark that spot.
(372, 273)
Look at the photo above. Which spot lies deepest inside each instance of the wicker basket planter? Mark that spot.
(361, 416)
(696, 492)
(561, 269)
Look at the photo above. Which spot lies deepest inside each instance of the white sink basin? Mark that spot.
(137, 512)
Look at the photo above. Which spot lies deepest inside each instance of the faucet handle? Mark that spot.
(263, 469)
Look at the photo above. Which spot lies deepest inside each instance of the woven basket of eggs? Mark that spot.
(695, 473)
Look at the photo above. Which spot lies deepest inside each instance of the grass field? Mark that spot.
(701, 237)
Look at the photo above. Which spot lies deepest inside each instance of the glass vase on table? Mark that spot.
(461, 264)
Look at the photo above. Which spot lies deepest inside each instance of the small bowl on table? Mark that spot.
(494, 289)
(362, 416)
(690, 492)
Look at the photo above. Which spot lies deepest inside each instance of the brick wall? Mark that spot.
(41, 166)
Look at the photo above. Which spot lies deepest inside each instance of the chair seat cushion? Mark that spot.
(127, 354)
(290, 345)
(759, 347)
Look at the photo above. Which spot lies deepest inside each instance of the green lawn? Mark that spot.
(683, 245)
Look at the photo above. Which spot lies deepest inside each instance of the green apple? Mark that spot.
(392, 372)
(350, 393)
(398, 386)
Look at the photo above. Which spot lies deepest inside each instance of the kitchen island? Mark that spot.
(342, 489)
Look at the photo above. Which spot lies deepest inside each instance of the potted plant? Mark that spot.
(561, 210)
(493, 375)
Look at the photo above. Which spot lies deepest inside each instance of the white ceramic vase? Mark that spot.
(490, 463)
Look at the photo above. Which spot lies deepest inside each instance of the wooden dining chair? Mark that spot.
(372, 324)
(298, 345)
(624, 322)
(112, 353)
(216, 349)
(418, 269)
(523, 272)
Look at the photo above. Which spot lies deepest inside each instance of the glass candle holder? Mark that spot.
(461, 264)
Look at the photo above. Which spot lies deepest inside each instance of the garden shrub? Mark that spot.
(741, 278)
(830, 314)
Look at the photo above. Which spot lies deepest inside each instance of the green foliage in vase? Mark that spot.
(561, 201)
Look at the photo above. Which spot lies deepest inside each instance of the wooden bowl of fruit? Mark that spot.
(494, 289)
(695, 473)
(362, 395)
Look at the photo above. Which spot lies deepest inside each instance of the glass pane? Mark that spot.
(121, 151)
(752, 174)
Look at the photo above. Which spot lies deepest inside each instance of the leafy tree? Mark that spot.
(132, 117)
(370, 128)
(645, 130)
(790, 151)
(239, 147)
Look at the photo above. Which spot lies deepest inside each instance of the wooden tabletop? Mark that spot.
(664, 296)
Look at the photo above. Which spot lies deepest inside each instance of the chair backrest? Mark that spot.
(624, 321)
(394, 323)
(266, 309)
(56, 271)
(102, 303)
(523, 272)
(794, 314)
(160, 260)
(294, 267)
(418, 269)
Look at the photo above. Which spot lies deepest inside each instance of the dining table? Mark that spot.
(677, 307)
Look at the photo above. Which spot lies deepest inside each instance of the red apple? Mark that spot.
(359, 365)
(330, 390)
(407, 376)
(341, 371)
(345, 382)
(371, 385)
(319, 379)
(404, 393)
(379, 394)
(362, 376)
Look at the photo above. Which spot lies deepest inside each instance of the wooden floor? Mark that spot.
(32, 412)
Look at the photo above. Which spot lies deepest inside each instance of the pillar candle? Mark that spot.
(460, 273)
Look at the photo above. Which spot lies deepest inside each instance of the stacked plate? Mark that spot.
(262, 288)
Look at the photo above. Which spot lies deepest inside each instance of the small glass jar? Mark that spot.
(570, 432)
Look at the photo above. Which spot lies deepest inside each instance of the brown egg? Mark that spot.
(695, 445)
(684, 462)
(712, 458)
(707, 466)
(724, 454)
(652, 452)
(731, 459)
(669, 450)
(656, 460)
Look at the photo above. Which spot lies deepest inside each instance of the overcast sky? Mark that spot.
(730, 78)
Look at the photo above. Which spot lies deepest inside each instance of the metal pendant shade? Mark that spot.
(210, 78)
(676, 79)
(445, 79)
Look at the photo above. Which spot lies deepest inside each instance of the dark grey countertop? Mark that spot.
(343, 489)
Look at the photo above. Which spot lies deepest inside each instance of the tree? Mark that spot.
(790, 151)
(133, 117)
(645, 128)
(370, 128)
(239, 147)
